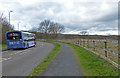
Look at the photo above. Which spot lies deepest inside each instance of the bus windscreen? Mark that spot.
(14, 35)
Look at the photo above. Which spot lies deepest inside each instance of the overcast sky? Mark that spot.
(95, 16)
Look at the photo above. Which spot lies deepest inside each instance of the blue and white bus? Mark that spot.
(20, 39)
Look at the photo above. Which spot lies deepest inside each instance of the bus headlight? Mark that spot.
(22, 42)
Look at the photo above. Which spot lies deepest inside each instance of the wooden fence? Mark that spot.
(103, 48)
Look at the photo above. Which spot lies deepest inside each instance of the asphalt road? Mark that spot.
(22, 62)
(64, 64)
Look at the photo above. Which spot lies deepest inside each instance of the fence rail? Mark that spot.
(110, 51)
(102, 40)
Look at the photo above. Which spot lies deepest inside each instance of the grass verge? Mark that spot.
(43, 65)
(92, 64)
(4, 47)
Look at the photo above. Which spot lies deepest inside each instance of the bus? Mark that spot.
(20, 39)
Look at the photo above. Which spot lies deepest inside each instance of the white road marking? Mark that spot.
(24, 52)
(4, 59)
(11, 54)
(20, 52)
(16, 53)
(4, 51)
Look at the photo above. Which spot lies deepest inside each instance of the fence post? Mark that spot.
(78, 42)
(88, 43)
(83, 42)
(105, 48)
(94, 45)
(73, 41)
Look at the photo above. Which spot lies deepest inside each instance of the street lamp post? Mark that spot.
(18, 25)
(9, 16)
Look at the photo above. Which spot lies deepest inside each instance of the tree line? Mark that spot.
(4, 27)
(48, 29)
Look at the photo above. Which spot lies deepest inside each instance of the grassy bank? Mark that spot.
(92, 64)
(43, 65)
(4, 47)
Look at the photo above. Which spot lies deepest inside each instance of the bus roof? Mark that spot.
(12, 31)
(25, 32)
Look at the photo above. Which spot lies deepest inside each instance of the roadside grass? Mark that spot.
(43, 65)
(3, 45)
(2, 49)
(110, 46)
(93, 65)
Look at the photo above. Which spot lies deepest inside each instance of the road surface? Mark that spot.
(64, 64)
(22, 62)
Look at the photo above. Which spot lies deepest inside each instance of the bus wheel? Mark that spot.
(34, 45)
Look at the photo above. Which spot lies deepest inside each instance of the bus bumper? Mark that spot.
(16, 47)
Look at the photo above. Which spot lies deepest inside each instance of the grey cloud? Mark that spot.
(82, 16)
(110, 17)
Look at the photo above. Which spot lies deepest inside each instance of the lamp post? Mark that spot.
(9, 16)
(18, 25)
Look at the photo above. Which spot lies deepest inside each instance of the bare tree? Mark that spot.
(33, 29)
(83, 32)
(59, 28)
(56, 28)
(50, 28)
(44, 26)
